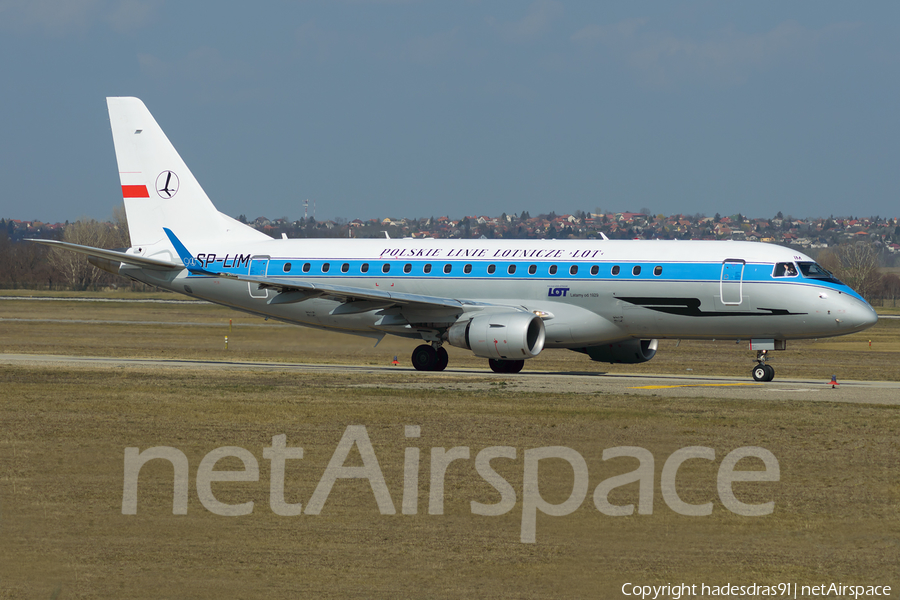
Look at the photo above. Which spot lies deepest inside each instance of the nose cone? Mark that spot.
(863, 316)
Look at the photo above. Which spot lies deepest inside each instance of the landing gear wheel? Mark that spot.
(442, 359)
(760, 373)
(763, 372)
(506, 366)
(424, 358)
(514, 366)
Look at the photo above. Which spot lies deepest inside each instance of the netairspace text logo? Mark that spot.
(356, 436)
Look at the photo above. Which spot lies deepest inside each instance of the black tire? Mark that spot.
(506, 366)
(514, 366)
(424, 358)
(760, 373)
(442, 359)
(770, 373)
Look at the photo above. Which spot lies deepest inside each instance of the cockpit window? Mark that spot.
(812, 270)
(785, 269)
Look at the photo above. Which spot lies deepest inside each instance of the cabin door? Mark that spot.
(731, 284)
(258, 267)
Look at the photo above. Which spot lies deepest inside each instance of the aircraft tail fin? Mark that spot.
(158, 188)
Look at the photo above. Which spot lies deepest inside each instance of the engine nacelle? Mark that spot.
(626, 352)
(501, 336)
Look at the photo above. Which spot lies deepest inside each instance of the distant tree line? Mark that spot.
(26, 265)
(859, 265)
(23, 264)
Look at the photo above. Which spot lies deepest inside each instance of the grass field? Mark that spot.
(64, 431)
(198, 331)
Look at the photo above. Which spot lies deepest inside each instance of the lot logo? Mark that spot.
(532, 502)
(558, 291)
(167, 184)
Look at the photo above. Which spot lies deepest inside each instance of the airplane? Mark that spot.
(504, 300)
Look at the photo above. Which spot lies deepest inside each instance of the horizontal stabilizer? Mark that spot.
(113, 255)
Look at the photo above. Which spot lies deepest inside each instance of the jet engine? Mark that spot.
(627, 352)
(501, 336)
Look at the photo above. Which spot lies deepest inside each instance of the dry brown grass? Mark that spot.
(197, 331)
(64, 431)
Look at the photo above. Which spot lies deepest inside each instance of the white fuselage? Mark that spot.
(587, 291)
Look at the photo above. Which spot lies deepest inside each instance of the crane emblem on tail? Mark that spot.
(167, 184)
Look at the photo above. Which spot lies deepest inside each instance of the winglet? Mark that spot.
(193, 265)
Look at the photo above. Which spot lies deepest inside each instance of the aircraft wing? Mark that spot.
(345, 293)
(113, 255)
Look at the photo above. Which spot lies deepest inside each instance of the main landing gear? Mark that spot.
(506, 366)
(430, 358)
(762, 371)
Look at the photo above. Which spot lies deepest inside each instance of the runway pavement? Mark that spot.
(597, 383)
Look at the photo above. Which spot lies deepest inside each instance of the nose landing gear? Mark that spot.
(762, 371)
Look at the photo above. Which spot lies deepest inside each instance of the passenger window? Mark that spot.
(573, 270)
(785, 270)
(386, 268)
(306, 267)
(467, 269)
(491, 269)
(345, 267)
(407, 268)
(364, 268)
(553, 269)
(595, 269)
(448, 267)
(427, 268)
(325, 267)
(511, 269)
(615, 269)
(636, 270)
(657, 270)
(287, 267)
(532, 269)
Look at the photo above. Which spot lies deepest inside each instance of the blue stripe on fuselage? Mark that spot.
(697, 272)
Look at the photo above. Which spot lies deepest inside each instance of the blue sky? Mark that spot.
(416, 109)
